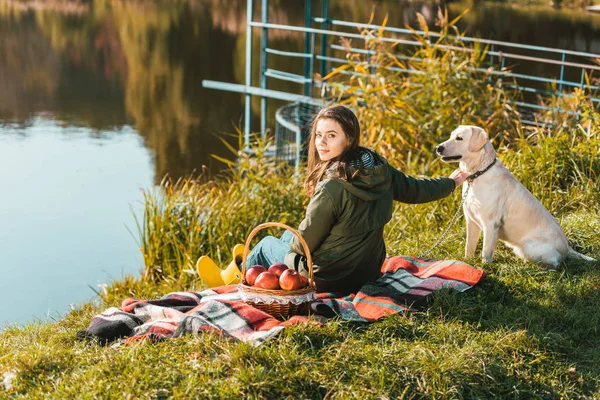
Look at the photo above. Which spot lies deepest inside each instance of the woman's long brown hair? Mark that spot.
(316, 168)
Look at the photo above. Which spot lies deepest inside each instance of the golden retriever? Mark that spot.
(501, 206)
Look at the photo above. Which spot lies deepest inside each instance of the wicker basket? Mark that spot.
(281, 303)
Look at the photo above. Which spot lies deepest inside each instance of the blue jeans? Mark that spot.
(270, 250)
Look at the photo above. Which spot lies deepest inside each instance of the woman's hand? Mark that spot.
(459, 177)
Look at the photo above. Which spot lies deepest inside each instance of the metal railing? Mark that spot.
(292, 129)
(572, 66)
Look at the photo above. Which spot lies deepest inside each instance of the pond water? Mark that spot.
(102, 98)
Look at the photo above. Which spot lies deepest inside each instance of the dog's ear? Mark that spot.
(478, 139)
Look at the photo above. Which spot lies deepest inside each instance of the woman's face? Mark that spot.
(330, 139)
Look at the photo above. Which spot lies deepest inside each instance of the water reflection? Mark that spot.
(64, 213)
(536, 25)
(119, 64)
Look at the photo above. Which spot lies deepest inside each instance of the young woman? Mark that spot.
(351, 192)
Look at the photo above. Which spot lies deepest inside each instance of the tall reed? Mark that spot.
(410, 98)
(192, 217)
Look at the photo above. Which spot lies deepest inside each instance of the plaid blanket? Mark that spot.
(405, 284)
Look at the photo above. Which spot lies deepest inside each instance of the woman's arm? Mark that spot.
(316, 226)
(415, 191)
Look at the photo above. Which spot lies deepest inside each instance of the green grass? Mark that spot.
(524, 332)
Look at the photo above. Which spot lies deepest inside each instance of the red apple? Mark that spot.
(290, 280)
(304, 281)
(253, 272)
(267, 280)
(277, 269)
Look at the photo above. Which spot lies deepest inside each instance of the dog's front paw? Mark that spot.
(487, 259)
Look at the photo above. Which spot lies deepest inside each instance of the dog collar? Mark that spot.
(477, 174)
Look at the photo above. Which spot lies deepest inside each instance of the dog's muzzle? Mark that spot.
(440, 150)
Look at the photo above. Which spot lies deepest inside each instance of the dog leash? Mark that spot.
(454, 219)
(469, 180)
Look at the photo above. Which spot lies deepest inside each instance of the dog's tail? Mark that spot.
(575, 254)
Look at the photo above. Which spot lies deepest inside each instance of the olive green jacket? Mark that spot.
(344, 223)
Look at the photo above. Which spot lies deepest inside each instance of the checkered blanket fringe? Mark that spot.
(405, 284)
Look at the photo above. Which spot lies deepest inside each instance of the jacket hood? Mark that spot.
(373, 182)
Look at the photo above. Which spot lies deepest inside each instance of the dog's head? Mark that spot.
(464, 142)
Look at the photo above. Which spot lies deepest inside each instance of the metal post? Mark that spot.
(248, 105)
(298, 138)
(491, 79)
(307, 41)
(562, 73)
(324, 26)
(263, 67)
(311, 65)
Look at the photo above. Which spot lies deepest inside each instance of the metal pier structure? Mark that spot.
(322, 54)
